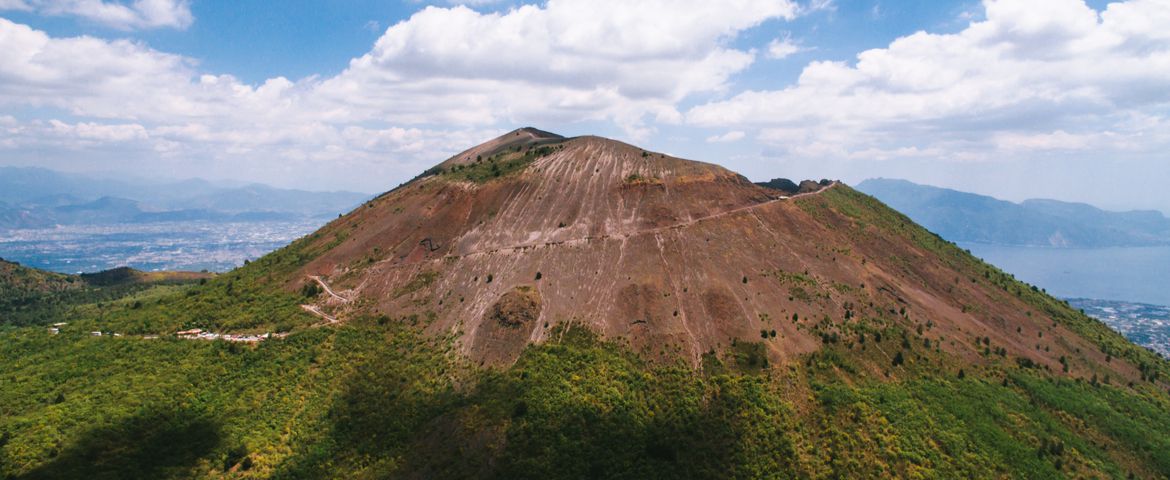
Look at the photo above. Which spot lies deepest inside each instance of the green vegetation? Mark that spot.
(498, 165)
(33, 297)
(246, 299)
(381, 399)
(639, 179)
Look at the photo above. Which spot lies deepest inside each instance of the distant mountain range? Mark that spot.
(37, 197)
(967, 217)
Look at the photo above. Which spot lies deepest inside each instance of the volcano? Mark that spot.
(506, 243)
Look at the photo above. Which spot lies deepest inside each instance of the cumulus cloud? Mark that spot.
(433, 83)
(88, 76)
(1034, 75)
(569, 59)
(139, 14)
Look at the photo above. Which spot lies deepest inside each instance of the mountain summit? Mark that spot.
(503, 243)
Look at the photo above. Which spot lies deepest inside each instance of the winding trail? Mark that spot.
(313, 309)
(725, 213)
(328, 290)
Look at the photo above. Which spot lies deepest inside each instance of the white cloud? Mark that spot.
(1035, 75)
(138, 14)
(780, 48)
(442, 65)
(100, 132)
(568, 60)
(89, 76)
(732, 136)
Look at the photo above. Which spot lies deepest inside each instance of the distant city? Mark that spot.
(1144, 324)
(74, 223)
(194, 246)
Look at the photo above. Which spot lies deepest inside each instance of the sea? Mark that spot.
(1131, 274)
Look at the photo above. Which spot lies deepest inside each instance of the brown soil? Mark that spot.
(673, 256)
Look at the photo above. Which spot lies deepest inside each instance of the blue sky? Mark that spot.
(1014, 98)
(254, 41)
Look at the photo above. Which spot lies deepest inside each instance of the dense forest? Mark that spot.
(376, 398)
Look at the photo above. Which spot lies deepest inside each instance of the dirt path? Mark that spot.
(327, 289)
(730, 212)
(313, 309)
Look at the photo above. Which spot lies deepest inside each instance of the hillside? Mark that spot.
(30, 297)
(549, 307)
(967, 217)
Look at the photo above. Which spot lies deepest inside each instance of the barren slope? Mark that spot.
(504, 242)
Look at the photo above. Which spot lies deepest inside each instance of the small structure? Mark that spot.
(190, 333)
(95, 334)
(54, 331)
(60, 324)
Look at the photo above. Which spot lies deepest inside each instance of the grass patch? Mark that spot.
(503, 164)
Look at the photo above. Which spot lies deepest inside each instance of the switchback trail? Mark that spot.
(327, 289)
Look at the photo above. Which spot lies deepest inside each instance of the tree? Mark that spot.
(898, 359)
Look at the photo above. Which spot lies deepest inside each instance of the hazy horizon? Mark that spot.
(228, 182)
